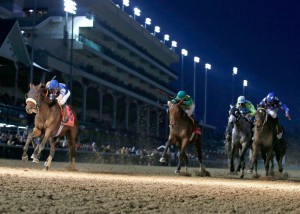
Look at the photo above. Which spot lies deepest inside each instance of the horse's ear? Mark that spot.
(31, 85)
(231, 106)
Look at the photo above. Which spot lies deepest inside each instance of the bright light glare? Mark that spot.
(148, 21)
(235, 70)
(245, 83)
(166, 37)
(184, 52)
(126, 3)
(196, 59)
(174, 44)
(208, 66)
(137, 11)
(70, 6)
(157, 29)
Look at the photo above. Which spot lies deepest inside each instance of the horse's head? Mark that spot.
(261, 116)
(34, 98)
(234, 115)
(175, 112)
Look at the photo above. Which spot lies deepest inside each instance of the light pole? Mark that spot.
(136, 12)
(183, 54)
(207, 67)
(196, 60)
(32, 42)
(156, 30)
(125, 3)
(147, 22)
(235, 71)
(166, 38)
(173, 45)
(245, 84)
(70, 7)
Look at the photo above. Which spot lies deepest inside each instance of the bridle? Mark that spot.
(35, 99)
(265, 119)
(172, 123)
(237, 116)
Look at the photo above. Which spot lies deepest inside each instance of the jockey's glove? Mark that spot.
(288, 116)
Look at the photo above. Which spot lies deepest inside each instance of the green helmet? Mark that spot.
(181, 94)
(241, 99)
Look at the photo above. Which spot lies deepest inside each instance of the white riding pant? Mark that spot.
(63, 99)
(190, 111)
(272, 112)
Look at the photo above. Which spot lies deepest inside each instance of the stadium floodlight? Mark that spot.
(137, 12)
(147, 22)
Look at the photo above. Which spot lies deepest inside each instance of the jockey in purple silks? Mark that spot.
(272, 103)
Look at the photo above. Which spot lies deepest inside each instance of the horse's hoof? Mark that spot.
(45, 164)
(25, 158)
(32, 156)
(242, 176)
(162, 160)
(177, 172)
(46, 168)
(249, 171)
(35, 160)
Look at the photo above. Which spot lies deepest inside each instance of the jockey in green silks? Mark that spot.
(188, 104)
(246, 107)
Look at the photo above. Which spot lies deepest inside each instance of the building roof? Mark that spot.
(12, 45)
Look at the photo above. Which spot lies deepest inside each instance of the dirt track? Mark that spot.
(101, 188)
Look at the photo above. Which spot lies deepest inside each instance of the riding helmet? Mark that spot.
(53, 85)
(241, 99)
(181, 94)
(270, 97)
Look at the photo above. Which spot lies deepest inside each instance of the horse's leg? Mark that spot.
(51, 155)
(232, 157)
(254, 158)
(250, 171)
(35, 133)
(163, 156)
(182, 155)
(71, 143)
(269, 155)
(42, 145)
(242, 158)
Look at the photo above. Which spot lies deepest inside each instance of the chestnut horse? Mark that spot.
(182, 133)
(48, 125)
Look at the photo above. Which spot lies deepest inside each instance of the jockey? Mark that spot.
(272, 103)
(246, 108)
(188, 104)
(59, 93)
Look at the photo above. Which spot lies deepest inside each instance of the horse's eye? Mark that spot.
(26, 96)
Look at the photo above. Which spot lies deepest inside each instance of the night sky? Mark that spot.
(260, 37)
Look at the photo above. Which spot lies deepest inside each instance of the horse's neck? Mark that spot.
(242, 125)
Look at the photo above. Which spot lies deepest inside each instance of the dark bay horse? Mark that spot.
(48, 125)
(182, 133)
(266, 143)
(240, 140)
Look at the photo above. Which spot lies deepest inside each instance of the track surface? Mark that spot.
(99, 188)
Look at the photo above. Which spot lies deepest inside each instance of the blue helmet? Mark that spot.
(53, 85)
(271, 97)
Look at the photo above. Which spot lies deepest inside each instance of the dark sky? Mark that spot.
(260, 37)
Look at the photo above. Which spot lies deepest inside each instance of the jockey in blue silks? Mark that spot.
(272, 103)
(59, 93)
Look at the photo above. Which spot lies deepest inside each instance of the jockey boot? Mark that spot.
(278, 128)
(65, 116)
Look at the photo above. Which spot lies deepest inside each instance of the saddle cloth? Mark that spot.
(197, 130)
(71, 117)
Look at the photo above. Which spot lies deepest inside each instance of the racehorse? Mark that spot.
(241, 138)
(48, 125)
(182, 133)
(265, 142)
